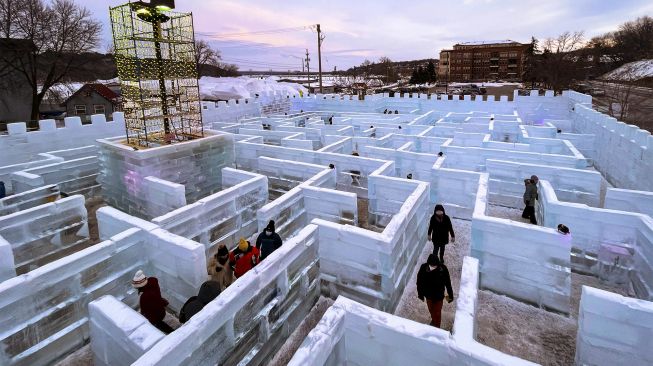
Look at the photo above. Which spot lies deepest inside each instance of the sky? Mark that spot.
(356, 30)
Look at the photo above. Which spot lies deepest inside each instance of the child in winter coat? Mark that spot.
(153, 306)
(243, 258)
(219, 268)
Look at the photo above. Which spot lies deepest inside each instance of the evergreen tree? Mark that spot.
(430, 70)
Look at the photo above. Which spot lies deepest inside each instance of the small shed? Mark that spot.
(93, 99)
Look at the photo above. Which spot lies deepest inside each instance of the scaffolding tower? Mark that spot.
(155, 56)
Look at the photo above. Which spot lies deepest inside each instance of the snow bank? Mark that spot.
(224, 88)
(631, 71)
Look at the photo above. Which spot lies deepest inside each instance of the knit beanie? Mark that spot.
(139, 280)
(270, 226)
(242, 244)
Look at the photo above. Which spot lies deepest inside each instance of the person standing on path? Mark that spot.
(432, 279)
(153, 306)
(439, 229)
(530, 195)
(268, 241)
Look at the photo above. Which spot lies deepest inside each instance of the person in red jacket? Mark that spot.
(153, 306)
(243, 258)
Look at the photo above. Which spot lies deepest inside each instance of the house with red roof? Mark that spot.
(93, 99)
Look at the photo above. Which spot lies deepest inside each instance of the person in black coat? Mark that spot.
(208, 291)
(432, 279)
(439, 229)
(268, 241)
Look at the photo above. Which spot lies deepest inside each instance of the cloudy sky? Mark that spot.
(356, 30)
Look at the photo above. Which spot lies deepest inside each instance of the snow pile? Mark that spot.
(632, 71)
(224, 88)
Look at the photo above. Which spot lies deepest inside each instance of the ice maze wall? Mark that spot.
(254, 316)
(119, 334)
(616, 246)
(531, 264)
(197, 165)
(45, 311)
(489, 146)
(352, 333)
(613, 329)
(45, 233)
(20, 146)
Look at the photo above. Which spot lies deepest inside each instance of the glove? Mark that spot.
(420, 297)
(453, 239)
(450, 299)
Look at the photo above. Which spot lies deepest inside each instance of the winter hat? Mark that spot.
(270, 226)
(433, 260)
(222, 252)
(243, 244)
(140, 280)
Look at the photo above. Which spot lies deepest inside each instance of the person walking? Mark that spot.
(219, 268)
(432, 279)
(440, 228)
(268, 241)
(530, 195)
(208, 292)
(243, 258)
(3, 190)
(153, 306)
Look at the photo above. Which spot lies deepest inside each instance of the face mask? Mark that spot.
(440, 213)
(431, 267)
(268, 232)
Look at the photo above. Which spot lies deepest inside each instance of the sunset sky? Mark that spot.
(356, 30)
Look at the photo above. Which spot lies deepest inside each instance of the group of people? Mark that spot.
(225, 266)
(386, 111)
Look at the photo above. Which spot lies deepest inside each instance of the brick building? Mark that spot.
(483, 61)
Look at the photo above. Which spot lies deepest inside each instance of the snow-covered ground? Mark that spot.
(244, 87)
(632, 71)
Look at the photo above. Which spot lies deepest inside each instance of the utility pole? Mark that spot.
(320, 38)
(308, 69)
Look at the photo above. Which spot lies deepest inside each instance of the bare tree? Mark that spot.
(205, 55)
(559, 65)
(621, 88)
(60, 31)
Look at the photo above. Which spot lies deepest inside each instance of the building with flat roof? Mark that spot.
(483, 61)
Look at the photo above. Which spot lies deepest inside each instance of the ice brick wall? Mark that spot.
(42, 234)
(28, 199)
(571, 185)
(250, 320)
(7, 266)
(330, 205)
(77, 176)
(223, 217)
(613, 330)
(163, 196)
(614, 245)
(455, 189)
(371, 267)
(119, 335)
(43, 314)
(38, 160)
(629, 200)
(21, 146)
(531, 264)
(350, 333)
(195, 164)
(624, 153)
